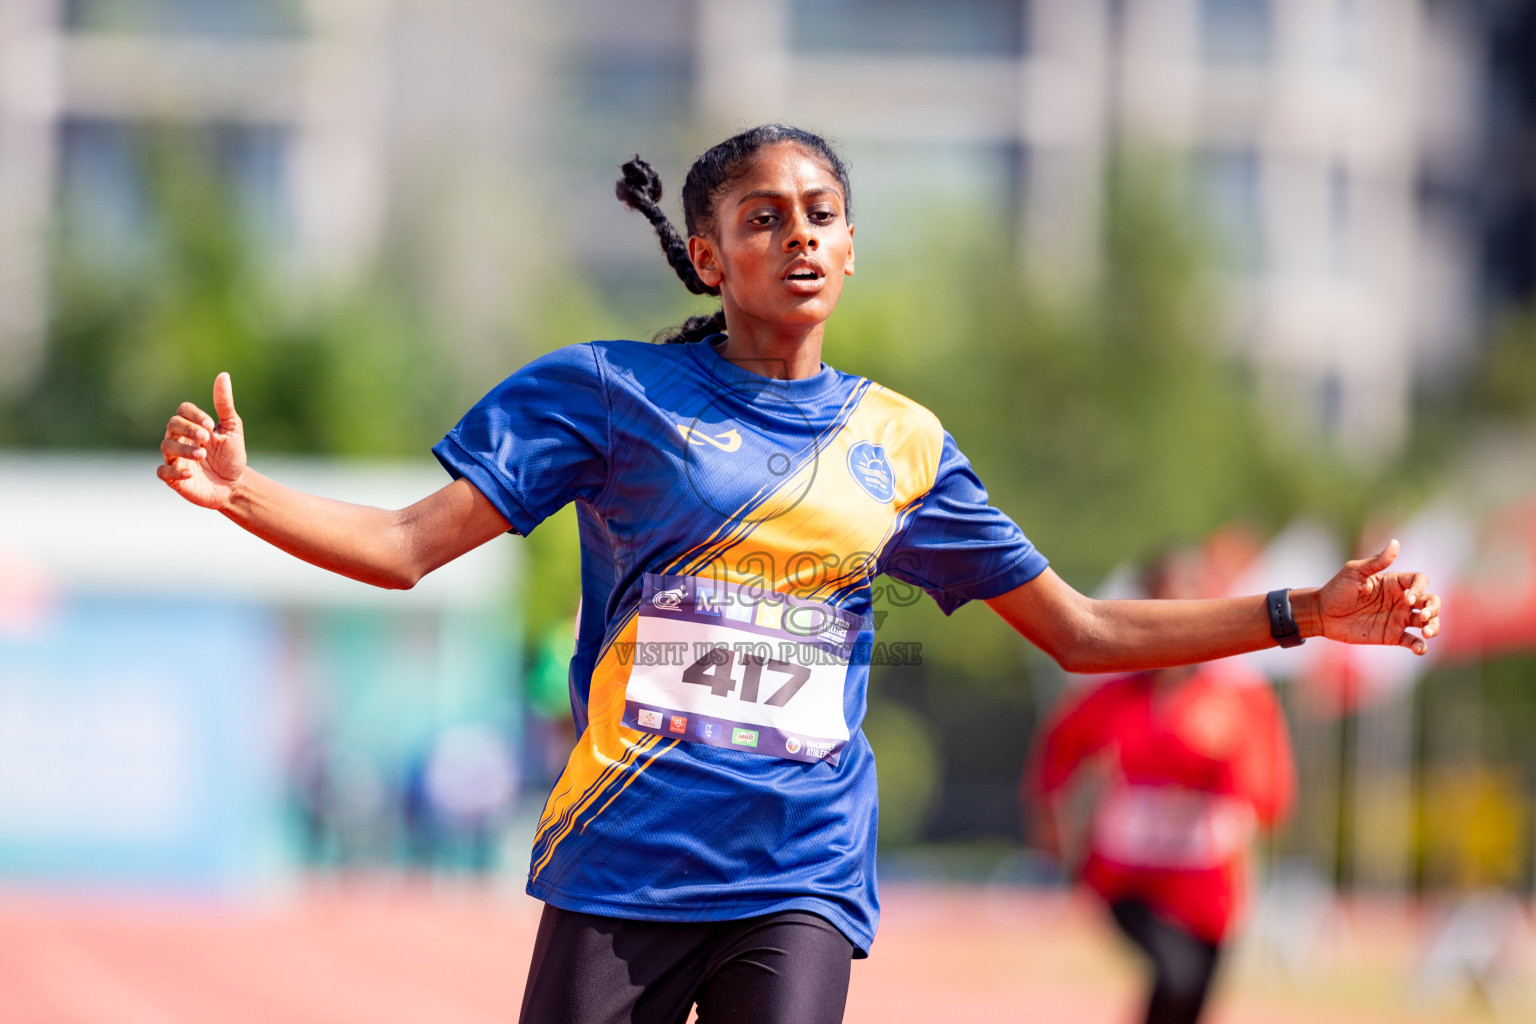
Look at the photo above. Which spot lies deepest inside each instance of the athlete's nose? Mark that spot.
(800, 236)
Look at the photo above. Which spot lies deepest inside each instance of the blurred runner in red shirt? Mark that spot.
(1189, 762)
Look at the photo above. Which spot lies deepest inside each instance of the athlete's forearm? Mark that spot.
(365, 543)
(1128, 636)
(1085, 635)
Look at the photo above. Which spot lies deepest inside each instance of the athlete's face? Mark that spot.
(782, 243)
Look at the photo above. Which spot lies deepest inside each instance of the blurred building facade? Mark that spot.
(1325, 142)
(1305, 130)
(333, 122)
(1504, 194)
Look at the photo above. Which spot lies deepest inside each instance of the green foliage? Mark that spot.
(551, 574)
(129, 339)
(907, 757)
(1506, 384)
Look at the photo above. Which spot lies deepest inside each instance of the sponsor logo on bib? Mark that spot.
(669, 600)
(650, 719)
(792, 745)
(744, 737)
(679, 723)
(770, 614)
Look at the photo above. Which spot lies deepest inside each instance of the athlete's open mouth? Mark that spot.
(804, 270)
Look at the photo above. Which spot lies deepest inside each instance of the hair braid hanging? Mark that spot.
(640, 189)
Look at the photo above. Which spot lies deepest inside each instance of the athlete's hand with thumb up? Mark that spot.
(204, 461)
(1364, 603)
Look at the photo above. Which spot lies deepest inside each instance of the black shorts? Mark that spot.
(787, 967)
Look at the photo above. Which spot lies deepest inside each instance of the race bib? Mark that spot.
(1171, 827)
(740, 667)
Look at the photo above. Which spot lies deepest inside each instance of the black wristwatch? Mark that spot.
(1281, 626)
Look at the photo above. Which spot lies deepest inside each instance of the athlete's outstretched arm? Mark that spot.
(1362, 604)
(205, 464)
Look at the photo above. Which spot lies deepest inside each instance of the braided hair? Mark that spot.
(710, 175)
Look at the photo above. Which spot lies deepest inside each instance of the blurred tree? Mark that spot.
(908, 768)
(1505, 385)
(348, 373)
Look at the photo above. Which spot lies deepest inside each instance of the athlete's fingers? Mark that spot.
(1415, 585)
(173, 472)
(1377, 562)
(189, 411)
(1413, 643)
(1427, 615)
(224, 400)
(175, 448)
(181, 427)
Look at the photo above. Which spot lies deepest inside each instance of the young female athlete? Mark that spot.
(712, 838)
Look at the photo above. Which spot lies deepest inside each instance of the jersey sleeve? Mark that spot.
(955, 545)
(538, 440)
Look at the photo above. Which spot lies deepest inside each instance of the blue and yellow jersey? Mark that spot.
(732, 527)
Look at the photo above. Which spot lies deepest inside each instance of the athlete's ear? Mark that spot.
(702, 252)
(848, 267)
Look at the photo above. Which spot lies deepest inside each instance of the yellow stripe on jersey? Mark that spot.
(605, 753)
(747, 515)
(632, 777)
(581, 783)
(821, 514)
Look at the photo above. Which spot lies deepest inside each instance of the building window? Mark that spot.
(102, 192)
(932, 194)
(1227, 184)
(1350, 35)
(1330, 401)
(954, 27)
(229, 18)
(638, 90)
(1235, 32)
(117, 180)
(1341, 217)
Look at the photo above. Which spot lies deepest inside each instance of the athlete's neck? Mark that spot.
(779, 355)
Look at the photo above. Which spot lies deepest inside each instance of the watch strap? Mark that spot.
(1281, 626)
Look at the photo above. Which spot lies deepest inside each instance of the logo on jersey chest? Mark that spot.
(871, 471)
(726, 442)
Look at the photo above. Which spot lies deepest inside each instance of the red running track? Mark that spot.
(390, 953)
